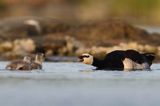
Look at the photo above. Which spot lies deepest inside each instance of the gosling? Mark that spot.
(22, 65)
(37, 63)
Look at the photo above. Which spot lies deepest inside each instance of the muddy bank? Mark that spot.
(27, 35)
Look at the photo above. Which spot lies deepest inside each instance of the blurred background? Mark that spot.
(72, 27)
(138, 11)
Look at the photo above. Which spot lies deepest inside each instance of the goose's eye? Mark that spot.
(86, 56)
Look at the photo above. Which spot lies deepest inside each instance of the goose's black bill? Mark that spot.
(80, 58)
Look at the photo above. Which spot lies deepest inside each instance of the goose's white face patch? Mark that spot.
(86, 58)
(131, 65)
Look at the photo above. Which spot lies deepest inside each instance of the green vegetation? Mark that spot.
(2, 5)
(84, 10)
(136, 7)
(143, 10)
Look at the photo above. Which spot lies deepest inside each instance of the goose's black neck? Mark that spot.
(98, 63)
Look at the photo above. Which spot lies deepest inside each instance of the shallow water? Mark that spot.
(150, 29)
(76, 84)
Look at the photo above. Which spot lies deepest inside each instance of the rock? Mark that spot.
(158, 50)
(6, 46)
(23, 46)
(112, 32)
(53, 37)
(150, 48)
(33, 27)
(17, 48)
(133, 45)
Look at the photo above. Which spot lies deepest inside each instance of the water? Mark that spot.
(76, 84)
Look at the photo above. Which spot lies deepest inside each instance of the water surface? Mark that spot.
(76, 84)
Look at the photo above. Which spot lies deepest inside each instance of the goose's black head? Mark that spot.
(149, 57)
(86, 58)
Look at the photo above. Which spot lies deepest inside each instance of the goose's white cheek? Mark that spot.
(88, 61)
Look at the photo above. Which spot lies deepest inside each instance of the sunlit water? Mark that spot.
(75, 84)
